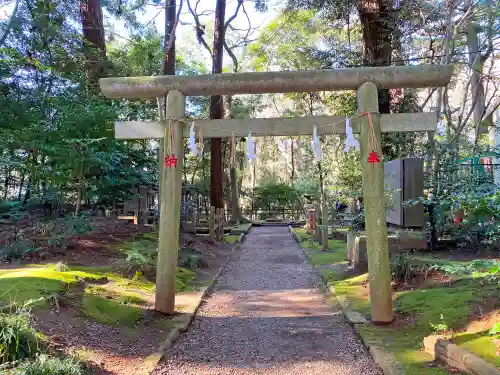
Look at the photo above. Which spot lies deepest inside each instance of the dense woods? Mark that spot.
(58, 129)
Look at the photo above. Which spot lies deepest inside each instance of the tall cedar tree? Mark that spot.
(217, 109)
(95, 43)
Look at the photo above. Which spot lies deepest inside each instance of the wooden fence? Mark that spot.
(216, 224)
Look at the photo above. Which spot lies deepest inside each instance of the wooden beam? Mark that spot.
(170, 209)
(277, 82)
(399, 122)
(379, 273)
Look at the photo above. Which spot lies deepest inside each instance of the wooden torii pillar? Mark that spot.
(365, 80)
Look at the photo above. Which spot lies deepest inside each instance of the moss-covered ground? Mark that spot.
(231, 238)
(429, 308)
(108, 296)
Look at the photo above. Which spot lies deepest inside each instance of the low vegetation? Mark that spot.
(47, 365)
(23, 351)
(18, 340)
(431, 296)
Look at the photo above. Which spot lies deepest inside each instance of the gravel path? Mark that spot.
(265, 316)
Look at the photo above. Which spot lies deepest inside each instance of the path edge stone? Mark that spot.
(385, 360)
(152, 360)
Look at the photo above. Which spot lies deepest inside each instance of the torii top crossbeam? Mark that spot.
(277, 82)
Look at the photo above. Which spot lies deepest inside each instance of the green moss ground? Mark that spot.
(427, 311)
(231, 238)
(108, 311)
(117, 302)
(336, 249)
(480, 343)
(432, 310)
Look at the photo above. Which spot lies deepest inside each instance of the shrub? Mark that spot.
(190, 258)
(45, 365)
(141, 253)
(18, 340)
(79, 225)
(405, 269)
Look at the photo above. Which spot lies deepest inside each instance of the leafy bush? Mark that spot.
(439, 327)
(6, 207)
(144, 252)
(190, 258)
(141, 253)
(273, 198)
(18, 340)
(17, 249)
(45, 365)
(78, 225)
(404, 269)
(489, 269)
(450, 269)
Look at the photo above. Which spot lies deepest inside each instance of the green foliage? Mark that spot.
(495, 330)
(18, 249)
(449, 269)
(190, 258)
(18, 340)
(144, 252)
(79, 225)
(404, 269)
(47, 365)
(439, 327)
(273, 198)
(141, 253)
(487, 269)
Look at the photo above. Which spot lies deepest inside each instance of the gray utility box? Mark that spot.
(405, 177)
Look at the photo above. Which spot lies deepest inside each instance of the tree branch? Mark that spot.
(9, 24)
(200, 29)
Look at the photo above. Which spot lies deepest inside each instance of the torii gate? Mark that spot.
(365, 80)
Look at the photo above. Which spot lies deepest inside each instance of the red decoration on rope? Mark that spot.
(373, 157)
(170, 161)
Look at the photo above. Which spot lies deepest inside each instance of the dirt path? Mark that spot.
(265, 316)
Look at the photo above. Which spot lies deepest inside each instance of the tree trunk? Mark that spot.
(168, 65)
(79, 189)
(233, 179)
(6, 183)
(217, 109)
(433, 156)
(21, 185)
(292, 177)
(95, 43)
(377, 27)
(476, 63)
